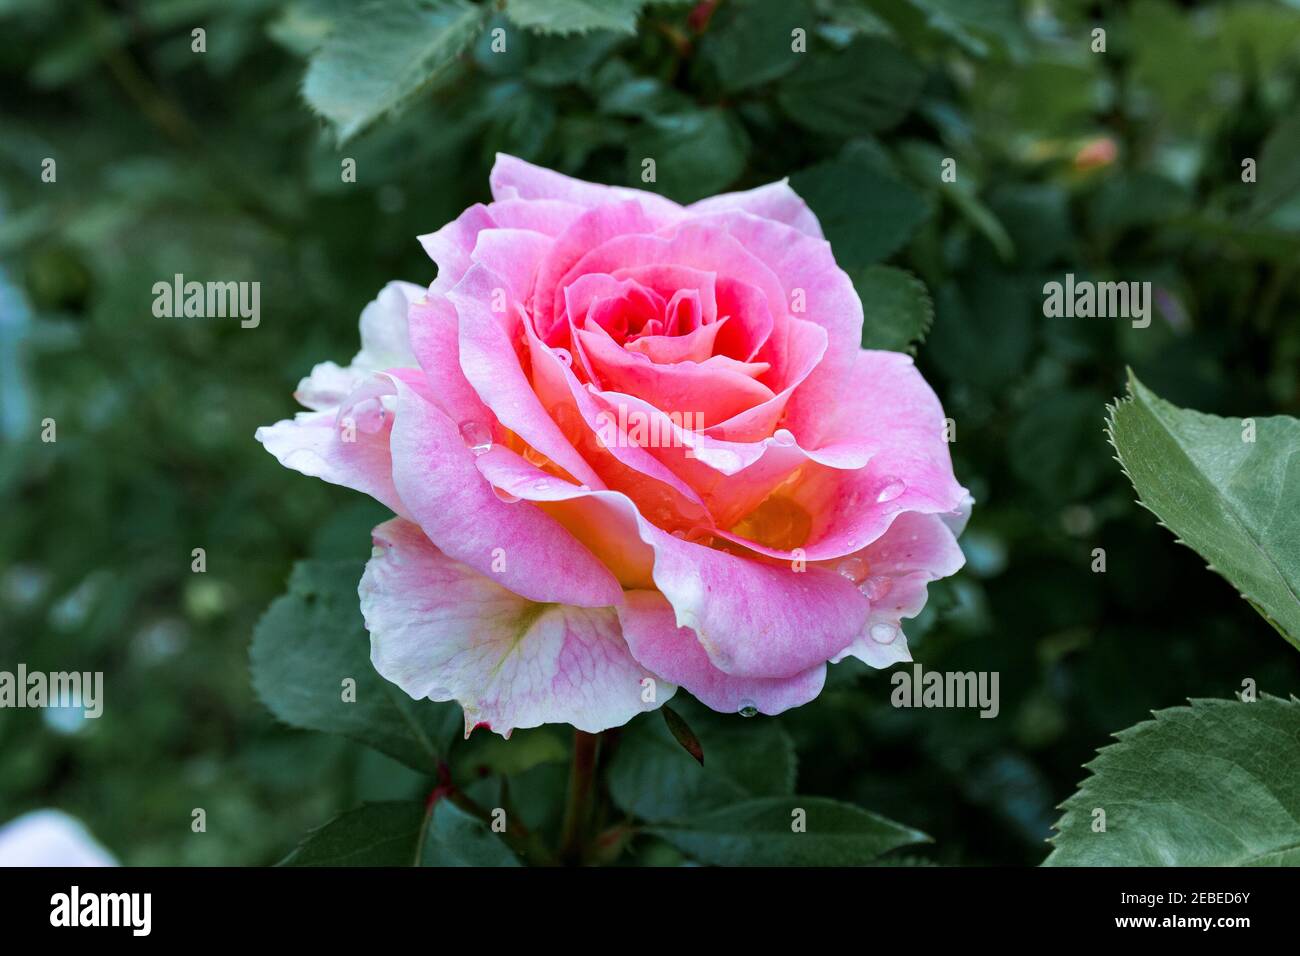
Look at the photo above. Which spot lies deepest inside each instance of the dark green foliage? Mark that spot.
(215, 166)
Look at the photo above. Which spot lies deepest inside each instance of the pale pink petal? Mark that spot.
(435, 339)
(548, 216)
(385, 336)
(443, 631)
(332, 445)
(513, 178)
(450, 246)
(514, 255)
(893, 572)
(326, 386)
(675, 654)
(774, 201)
(385, 344)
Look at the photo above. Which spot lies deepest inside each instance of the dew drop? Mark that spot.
(504, 495)
(893, 488)
(476, 436)
(883, 633)
(748, 708)
(875, 589)
(783, 438)
(564, 356)
(855, 569)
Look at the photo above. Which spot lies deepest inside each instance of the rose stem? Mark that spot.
(581, 777)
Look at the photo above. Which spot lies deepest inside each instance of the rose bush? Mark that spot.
(630, 446)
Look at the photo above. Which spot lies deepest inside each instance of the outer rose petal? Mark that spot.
(385, 344)
(512, 178)
(909, 467)
(916, 550)
(312, 443)
(651, 631)
(775, 201)
(445, 494)
(441, 630)
(753, 618)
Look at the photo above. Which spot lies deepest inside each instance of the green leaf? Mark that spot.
(313, 638)
(380, 55)
(454, 838)
(1213, 784)
(1277, 173)
(575, 16)
(897, 311)
(403, 833)
(697, 153)
(374, 834)
(866, 213)
(749, 43)
(870, 85)
(1231, 499)
(763, 833)
(651, 778)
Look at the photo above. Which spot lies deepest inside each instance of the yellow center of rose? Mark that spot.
(778, 522)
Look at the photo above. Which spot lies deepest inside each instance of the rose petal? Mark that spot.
(441, 630)
(326, 445)
(896, 569)
(444, 493)
(775, 201)
(674, 653)
(513, 178)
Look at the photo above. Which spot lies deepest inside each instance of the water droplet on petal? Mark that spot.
(748, 708)
(892, 489)
(875, 589)
(783, 437)
(883, 633)
(477, 437)
(504, 495)
(564, 356)
(855, 569)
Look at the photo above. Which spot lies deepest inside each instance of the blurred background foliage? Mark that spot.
(1120, 165)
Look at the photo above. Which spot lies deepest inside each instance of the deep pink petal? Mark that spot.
(444, 493)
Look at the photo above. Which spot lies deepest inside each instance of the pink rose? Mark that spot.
(631, 445)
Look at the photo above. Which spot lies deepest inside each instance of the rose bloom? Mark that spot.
(630, 446)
